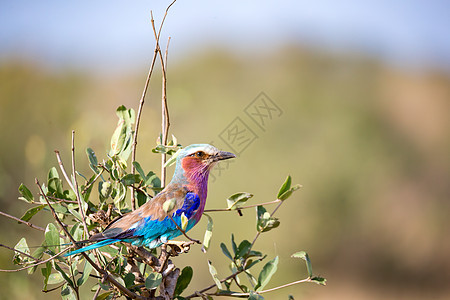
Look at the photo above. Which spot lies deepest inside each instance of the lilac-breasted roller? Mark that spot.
(150, 225)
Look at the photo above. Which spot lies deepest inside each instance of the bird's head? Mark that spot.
(195, 161)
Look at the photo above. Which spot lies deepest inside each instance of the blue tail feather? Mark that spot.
(93, 246)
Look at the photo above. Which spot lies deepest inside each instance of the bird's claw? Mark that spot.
(179, 247)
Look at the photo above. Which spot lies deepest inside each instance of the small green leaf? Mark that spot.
(67, 293)
(184, 221)
(93, 162)
(55, 278)
(23, 247)
(153, 280)
(26, 194)
(169, 204)
(103, 296)
(243, 249)
(233, 244)
(129, 280)
(130, 179)
(63, 274)
(319, 280)
(225, 251)
(139, 169)
(52, 237)
(213, 273)
(31, 212)
(265, 222)
(86, 271)
(208, 233)
(303, 255)
(289, 192)
(104, 189)
(235, 200)
(52, 173)
(152, 180)
(266, 274)
(183, 280)
(285, 187)
(46, 271)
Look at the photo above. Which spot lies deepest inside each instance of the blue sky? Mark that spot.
(104, 34)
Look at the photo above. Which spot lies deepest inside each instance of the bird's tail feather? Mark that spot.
(93, 246)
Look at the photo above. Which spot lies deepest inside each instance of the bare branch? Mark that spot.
(243, 207)
(20, 252)
(40, 262)
(22, 221)
(77, 191)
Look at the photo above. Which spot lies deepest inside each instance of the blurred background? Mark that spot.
(357, 111)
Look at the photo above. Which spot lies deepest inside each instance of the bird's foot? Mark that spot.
(179, 247)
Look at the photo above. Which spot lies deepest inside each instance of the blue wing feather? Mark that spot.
(150, 232)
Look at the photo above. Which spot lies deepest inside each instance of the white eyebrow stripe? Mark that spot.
(208, 150)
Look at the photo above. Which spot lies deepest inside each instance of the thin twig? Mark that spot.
(243, 207)
(165, 121)
(88, 185)
(262, 292)
(259, 232)
(63, 170)
(20, 252)
(22, 221)
(77, 191)
(36, 264)
(182, 231)
(58, 200)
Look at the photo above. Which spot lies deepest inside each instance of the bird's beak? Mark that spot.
(221, 155)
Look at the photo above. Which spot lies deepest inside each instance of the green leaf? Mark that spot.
(104, 189)
(67, 293)
(139, 169)
(289, 192)
(63, 274)
(183, 280)
(153, 280)
(233, 244)
(129, 280)
(285, 187)
(55, 278)
(26, 194)
(303, 255)
(243, 249)
(255, 296)
(31, 212)
(266, 274)
(225, 251)
(213, 273)
(319, 280)
(46, 271)
(121, 140)
(23, 247)
(52, 173)
(52, 237)
(93, 162)
(265, 222)
(208, 233)
(104, 296)
(130, 179)
(235, 200)
(86, 271)
(152, 180)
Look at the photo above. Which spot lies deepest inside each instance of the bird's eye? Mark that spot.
(199, 154)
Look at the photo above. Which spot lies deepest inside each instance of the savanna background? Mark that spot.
(364, 90)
